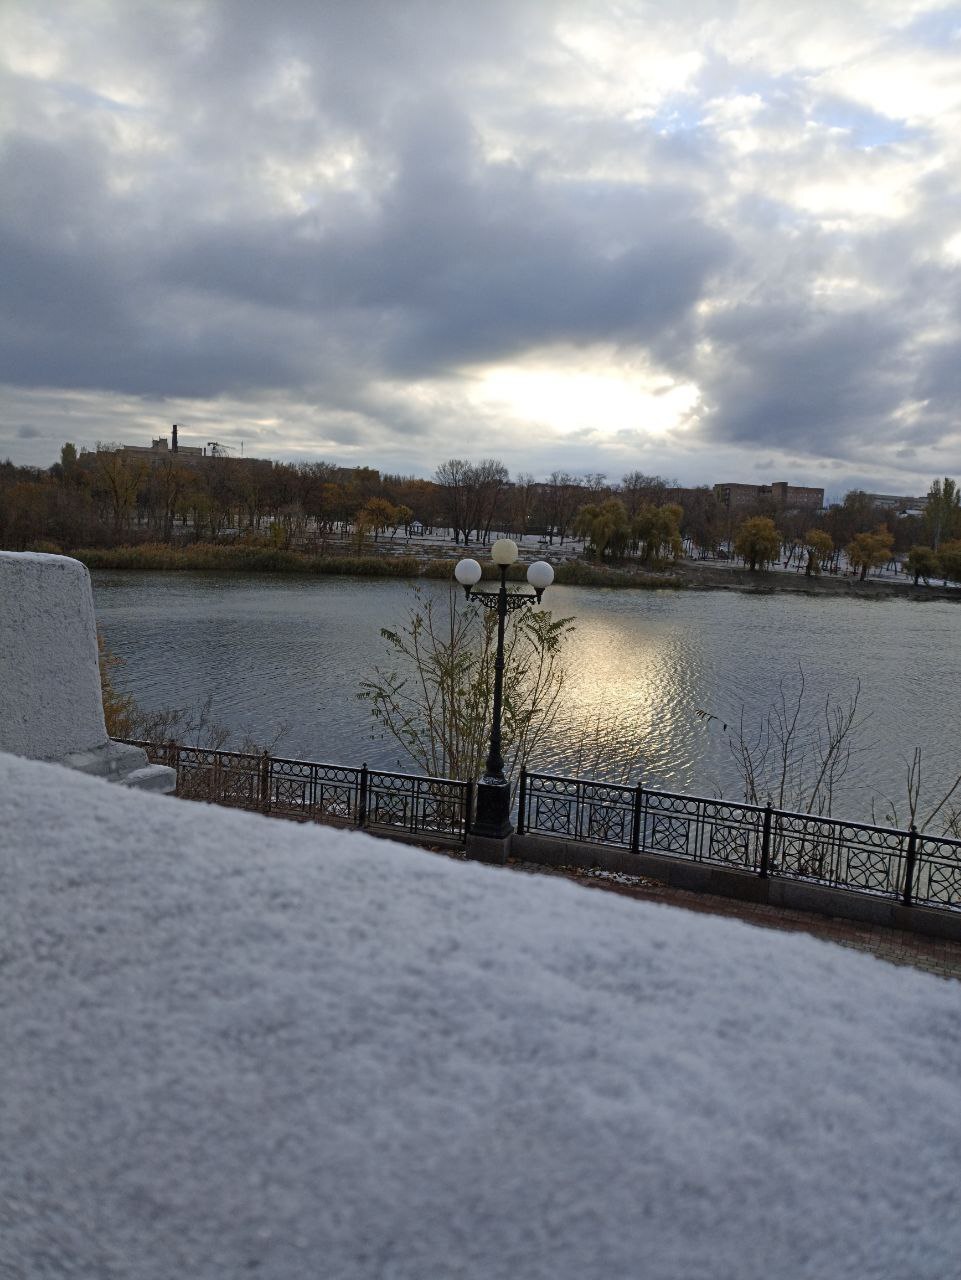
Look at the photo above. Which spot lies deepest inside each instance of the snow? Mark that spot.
(236, 1046)
(50, 701)
(50, 695)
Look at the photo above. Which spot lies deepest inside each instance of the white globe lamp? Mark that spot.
(468, 573)
(540, 575)
(504, 551)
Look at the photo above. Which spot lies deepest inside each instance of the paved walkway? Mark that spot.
(934, 955)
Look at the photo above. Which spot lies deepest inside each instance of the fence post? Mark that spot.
(469, 810)
(415, 809)
(636, 819)
(907, 893)
(362, 797)
(265, 782)
(522, 801)
(766, 842)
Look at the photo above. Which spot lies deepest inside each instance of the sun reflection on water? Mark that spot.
(631, 694)
(642, 665)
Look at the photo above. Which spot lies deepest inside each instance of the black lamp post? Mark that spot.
(493, 816)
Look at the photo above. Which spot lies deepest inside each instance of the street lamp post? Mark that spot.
(493, 814)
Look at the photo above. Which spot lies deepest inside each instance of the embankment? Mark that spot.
(686, 575)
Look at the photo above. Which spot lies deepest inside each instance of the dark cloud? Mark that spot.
(939, 383)
(787, 378)
(461, 261)
(320, 202)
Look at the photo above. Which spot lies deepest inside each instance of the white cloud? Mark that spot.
(590, 227)
(560, 393)
(917, 87)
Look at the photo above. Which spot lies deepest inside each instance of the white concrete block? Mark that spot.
(50, 700)
(152, 777)
(51, 707)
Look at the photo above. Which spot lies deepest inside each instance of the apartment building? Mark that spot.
(792, 497)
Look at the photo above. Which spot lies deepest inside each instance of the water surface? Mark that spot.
(642, 665)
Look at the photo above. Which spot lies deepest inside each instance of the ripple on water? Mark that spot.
(642, 665)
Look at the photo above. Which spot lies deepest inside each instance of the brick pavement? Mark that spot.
(934, 955)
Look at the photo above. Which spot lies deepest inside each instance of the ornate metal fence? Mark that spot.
(915, 868)
(434, 809)
(906, 865)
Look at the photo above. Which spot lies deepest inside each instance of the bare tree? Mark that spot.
(456, 480)
(435, 700)
(796, 756)
(471, 494)
(944, 807)
(520, 505)
(561, 497)
(638, 489)
(116, 484)
(489, 478)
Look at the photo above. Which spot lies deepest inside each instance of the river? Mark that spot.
(646, 670)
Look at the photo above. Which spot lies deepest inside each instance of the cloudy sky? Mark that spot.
(712, 240)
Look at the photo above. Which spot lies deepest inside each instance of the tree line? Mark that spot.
(928, 545)
(111, 497)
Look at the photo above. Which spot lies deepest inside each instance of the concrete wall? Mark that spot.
(50, 700)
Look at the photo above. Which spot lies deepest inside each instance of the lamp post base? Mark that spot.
(492, 818)
(486, 849)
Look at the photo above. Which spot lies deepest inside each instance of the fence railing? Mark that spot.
(905, 865)
(427, 808)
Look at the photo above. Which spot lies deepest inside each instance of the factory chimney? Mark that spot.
(173, 438)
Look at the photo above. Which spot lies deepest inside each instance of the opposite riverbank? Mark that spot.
(687, 575)
(698, 576)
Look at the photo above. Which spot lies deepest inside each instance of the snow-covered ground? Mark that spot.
(236, 1047)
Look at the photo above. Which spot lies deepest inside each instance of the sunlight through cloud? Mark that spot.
(595, 396)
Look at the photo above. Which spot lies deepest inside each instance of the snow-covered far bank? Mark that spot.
(234, 1046)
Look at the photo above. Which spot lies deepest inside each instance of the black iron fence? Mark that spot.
(906, 865)
(431, 809)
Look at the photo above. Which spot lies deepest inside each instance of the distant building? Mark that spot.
(792, 497)
(737, 497)
(162, 447)
(187, 455)
(897, 502)
(796, 497)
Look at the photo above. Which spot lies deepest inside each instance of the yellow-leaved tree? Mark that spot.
(119, 709)
(758, 542)
(819, 546)
(870, 550)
